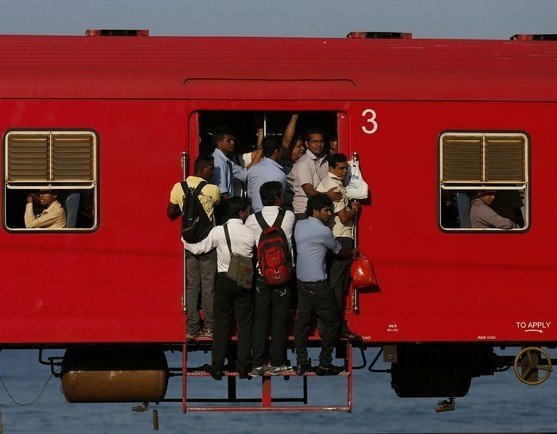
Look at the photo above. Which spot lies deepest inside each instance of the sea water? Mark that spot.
(498, 403)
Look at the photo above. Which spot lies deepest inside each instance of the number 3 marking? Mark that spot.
(371, 120)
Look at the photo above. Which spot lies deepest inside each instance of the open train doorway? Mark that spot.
(249, 126)
(248, 129)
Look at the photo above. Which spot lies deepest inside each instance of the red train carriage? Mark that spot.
(106, 120)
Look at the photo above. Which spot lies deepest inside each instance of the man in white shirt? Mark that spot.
(345, 213)
(271, 303)
(231, 301)
(309, 171)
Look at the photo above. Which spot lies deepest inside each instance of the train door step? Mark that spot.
(266, 402)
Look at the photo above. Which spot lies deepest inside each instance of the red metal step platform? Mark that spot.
(266, 401)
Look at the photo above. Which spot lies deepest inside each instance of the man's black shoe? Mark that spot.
(328, 370)
(351, 336)
(243, 374)
(303, 367)
(215, 373)
(346, 333)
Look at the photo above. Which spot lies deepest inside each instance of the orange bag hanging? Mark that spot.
(362, 272)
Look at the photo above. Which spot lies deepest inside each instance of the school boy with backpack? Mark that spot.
(195, 199)
(272, 231)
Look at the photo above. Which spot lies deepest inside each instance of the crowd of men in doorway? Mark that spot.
(297, 185)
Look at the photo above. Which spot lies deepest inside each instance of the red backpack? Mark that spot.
(272, 251)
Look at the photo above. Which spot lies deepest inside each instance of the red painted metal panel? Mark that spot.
(123, 283)
(452, 287)
(290, 68)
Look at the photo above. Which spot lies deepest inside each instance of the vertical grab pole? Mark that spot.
(355, 295)
(264, 124)
(184, 162)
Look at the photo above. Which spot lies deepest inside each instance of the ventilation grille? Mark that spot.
(50, 157)
(483, 159)
(462, 159)
(72, 158)
(505, 159)
(28, 158)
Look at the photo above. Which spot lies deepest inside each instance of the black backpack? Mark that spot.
(196, 224)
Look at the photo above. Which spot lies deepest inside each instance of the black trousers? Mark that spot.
(232, 301)
(339, 276)
(271, 304)
(318, 298)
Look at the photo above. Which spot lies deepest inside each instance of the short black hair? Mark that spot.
(233, 207)
(334, 159)
(318, 202)
(270, 144)
(202, 162)
(292, 145)
(49, 191)
(270, 192)
(313, 131)
(219, 133)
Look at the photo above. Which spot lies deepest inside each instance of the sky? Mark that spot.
(477, 19)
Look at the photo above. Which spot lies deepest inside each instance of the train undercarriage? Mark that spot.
(140, 374)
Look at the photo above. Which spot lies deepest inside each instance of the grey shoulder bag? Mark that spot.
(240, 269)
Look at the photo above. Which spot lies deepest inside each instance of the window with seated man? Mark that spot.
(50, 181)
(484, 181)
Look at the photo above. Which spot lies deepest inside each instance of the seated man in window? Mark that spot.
(483, 216)
(53, 216)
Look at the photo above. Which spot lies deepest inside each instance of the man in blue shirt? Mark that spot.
(266, 170)
(313, 239)
(225, 169)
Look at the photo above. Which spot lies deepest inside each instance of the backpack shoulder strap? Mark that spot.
(185, 186)
(200, 186)
(227, 236)
(280, 218)
(261, 220)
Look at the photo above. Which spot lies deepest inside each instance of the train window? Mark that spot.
(483, 181)
(50, 181)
